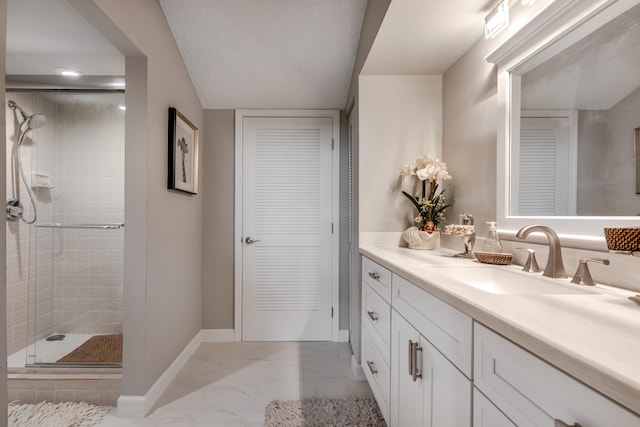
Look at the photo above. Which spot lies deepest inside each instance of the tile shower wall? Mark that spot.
(72, 277)
(21, 238)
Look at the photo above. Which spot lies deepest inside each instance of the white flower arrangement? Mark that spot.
(431, 206)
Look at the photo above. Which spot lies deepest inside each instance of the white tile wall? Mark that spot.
(76, 275)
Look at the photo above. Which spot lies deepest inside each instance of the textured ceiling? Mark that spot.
(268, 54)
(256, 53)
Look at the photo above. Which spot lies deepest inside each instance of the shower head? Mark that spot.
(34, 121)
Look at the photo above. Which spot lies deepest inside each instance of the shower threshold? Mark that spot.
(46, 353)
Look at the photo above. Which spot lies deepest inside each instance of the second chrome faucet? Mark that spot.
(554, 267)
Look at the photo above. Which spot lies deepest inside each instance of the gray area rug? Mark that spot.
(47, 414)
(356, 411)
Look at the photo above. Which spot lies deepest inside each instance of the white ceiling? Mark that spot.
(425, 37)
(45, 34)
(268, 54)
(257, 53)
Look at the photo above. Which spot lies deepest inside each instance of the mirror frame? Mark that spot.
(557, 26)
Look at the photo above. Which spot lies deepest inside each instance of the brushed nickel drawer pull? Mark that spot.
(374, 275)
(372, 315)
(410, 352)
(414, 355)
(370, 365)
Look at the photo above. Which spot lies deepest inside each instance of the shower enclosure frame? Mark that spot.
(59, 229)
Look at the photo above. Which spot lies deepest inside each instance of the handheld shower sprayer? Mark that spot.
(34, 121)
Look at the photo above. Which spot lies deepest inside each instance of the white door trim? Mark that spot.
(238, 227)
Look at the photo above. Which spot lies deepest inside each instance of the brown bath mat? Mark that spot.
(97, 349)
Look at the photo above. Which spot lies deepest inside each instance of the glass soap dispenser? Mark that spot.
(492, 241)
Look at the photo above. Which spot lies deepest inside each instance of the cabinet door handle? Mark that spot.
(374, 275)
(371, 369)
(372, 315)
(410, 353)
(414, 354)
(560, 423)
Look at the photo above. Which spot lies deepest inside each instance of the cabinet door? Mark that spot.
(446, 392)
(426, 391)
(405, 392)
(485, 413)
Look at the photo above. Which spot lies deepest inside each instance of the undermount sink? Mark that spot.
(504, 281)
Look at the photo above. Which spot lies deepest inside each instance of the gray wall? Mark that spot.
(469, 135)
(470, 124)
(217, 239)
(163, 242)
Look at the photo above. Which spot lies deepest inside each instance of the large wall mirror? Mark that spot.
(569, 97)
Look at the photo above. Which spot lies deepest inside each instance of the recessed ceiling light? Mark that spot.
(68, 72)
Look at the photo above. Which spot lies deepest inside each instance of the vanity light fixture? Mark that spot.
(67, 72)
(496, 20)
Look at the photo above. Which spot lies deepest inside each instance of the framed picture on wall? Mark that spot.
(183, 153)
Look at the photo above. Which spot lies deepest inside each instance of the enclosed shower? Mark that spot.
(65, 227)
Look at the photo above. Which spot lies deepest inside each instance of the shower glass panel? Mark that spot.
(74, 312)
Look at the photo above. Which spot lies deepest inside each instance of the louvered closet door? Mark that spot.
(287, 208)
(544, 167)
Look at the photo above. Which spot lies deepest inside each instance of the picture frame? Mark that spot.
(183, 154)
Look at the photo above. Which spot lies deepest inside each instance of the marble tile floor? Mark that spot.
(230, 384)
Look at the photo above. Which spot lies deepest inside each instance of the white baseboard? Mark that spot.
(356, 368)
(343, 335)
(218, 335)
(139, 406)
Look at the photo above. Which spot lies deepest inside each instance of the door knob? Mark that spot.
(250, 241)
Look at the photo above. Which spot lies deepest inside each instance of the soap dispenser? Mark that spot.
(492, 241)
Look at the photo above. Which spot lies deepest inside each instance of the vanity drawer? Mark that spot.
(377, 372)
(447, 328)
(378, 277)
(376, 315)
(532, 392)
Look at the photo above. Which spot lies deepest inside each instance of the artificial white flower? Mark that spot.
(431, 204)
(408, 170)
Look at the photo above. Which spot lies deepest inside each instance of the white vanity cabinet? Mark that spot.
(426, 389)
(486, 414)
(430, 360)
(376, 331)
(531, 392)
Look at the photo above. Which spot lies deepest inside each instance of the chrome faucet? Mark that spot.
(554, 267)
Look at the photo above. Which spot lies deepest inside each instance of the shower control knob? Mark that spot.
(14, 209)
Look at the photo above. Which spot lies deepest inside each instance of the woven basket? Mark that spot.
(493, 258)
(622, 238)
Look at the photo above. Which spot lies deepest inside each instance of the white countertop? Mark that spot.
(593, 337)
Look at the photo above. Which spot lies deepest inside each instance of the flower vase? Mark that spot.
(418, 239)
